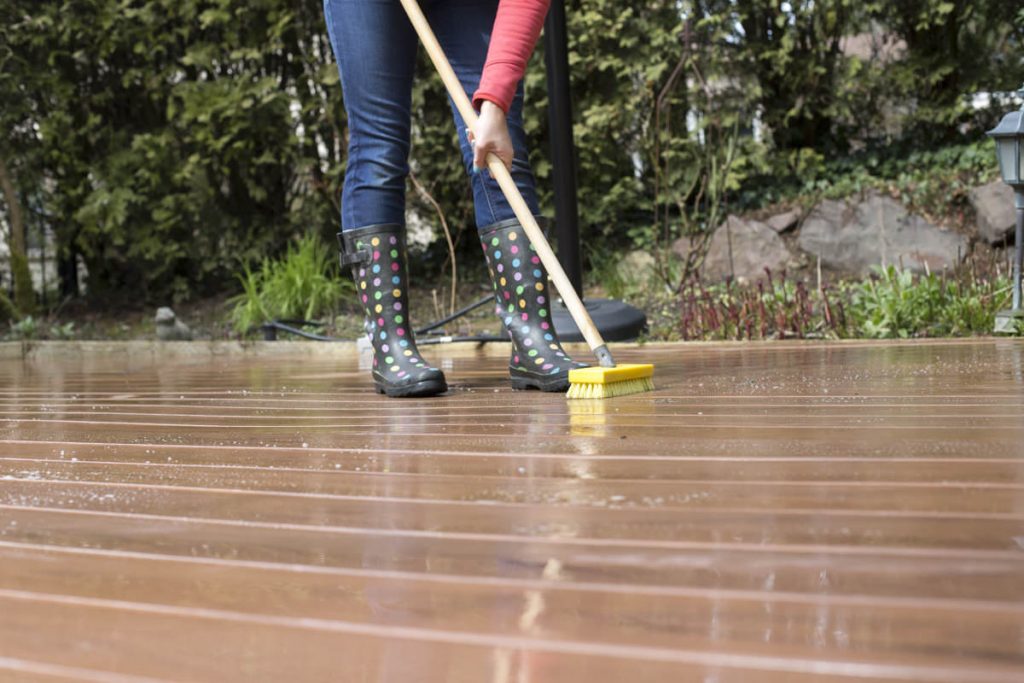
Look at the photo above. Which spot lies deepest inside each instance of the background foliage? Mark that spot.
(169, 143)
(890, 304)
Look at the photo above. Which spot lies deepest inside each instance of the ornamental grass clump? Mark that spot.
(304, 285)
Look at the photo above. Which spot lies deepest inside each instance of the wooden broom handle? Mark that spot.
(508, 187)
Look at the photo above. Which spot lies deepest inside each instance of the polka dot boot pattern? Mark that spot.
(524, 305)
(381, 284)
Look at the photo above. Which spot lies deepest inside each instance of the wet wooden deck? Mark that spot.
(772, 513)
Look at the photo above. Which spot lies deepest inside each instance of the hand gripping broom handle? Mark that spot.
(508, 187)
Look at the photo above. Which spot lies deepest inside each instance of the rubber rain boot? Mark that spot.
(524, 305)
(377, 256)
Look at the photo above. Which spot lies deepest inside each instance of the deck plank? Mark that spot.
(773, 512)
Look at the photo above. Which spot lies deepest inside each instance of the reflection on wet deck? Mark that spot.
(771, 513)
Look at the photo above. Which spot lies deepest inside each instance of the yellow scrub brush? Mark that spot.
(618, 380)
(605, 381)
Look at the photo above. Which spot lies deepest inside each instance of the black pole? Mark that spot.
(1018, 253)
(563, 156)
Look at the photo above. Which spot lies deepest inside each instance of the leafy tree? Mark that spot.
(15, 120)
(954, 48)
(24, 297)
(180, 137)
(794, 51)
(168, 142)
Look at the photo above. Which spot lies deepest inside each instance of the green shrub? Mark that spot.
(891, 304)
(26, 328)
(896, 304)
(177, 137)
(7, 310)
(773, 308)
(24, 296)
(605, 270)
(305, 285)
(65, 332)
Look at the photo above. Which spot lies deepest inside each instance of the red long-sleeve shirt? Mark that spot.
(515, 33)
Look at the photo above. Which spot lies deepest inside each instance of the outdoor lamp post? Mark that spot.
(1009, 137)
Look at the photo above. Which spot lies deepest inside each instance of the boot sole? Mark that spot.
(552, 384)
(430, 387)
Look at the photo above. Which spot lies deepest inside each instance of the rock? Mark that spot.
(682, 247)
(636, 267)
(169, 328)
(784, 222)
(994, 205)
(753, 246)
(853, 237)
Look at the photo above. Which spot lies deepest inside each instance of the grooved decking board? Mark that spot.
(773, 512)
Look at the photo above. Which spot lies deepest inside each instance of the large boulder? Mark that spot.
(994, 206)
(853, 237)
(743, 249)
(637, 267)
(784, 222)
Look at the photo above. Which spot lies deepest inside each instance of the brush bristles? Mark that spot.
(596, 390)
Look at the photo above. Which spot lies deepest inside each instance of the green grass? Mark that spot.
(305, 284)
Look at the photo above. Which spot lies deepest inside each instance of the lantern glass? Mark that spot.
(1008, 162)
(1020, 160)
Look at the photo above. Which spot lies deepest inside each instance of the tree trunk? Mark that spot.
(67, 272)
(24, 297)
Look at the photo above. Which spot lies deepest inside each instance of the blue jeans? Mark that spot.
(375, 47)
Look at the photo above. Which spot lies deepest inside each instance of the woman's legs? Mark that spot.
(523, 299)
(375, 48)
(463, 27)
